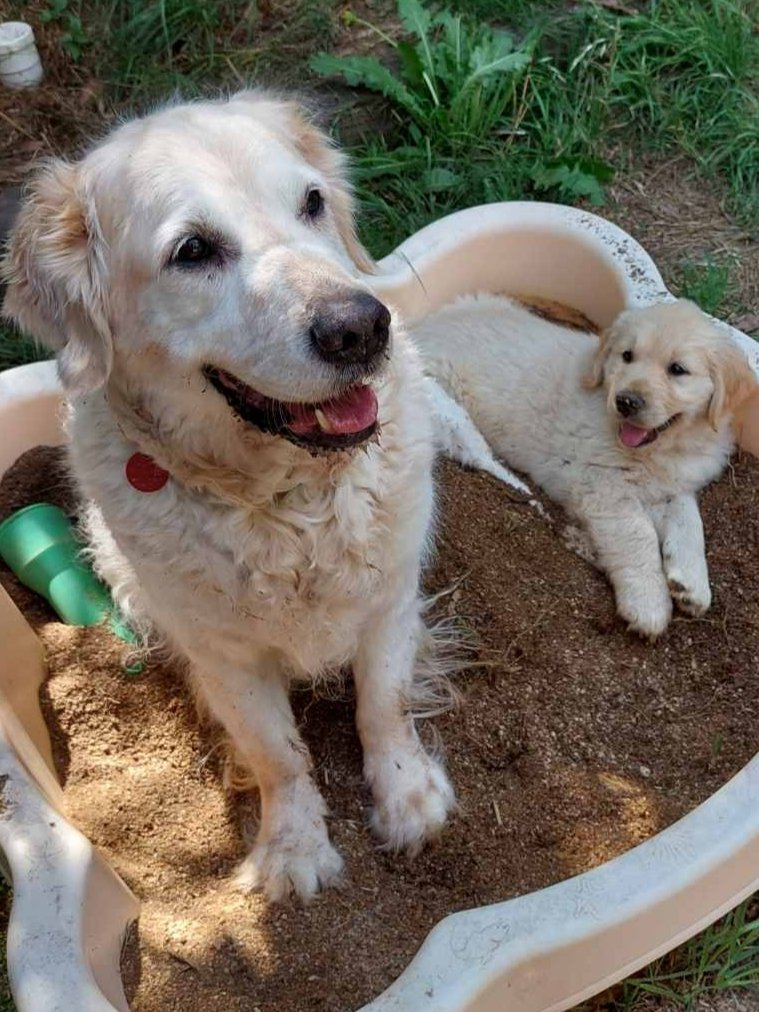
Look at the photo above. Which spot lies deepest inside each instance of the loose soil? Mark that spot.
(678, 217)
(575, 742)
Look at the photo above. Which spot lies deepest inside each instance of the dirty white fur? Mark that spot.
(260, 563)
(544, 398)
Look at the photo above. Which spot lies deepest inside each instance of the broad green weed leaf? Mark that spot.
(439, 179)
(415, 18)
(575, 178)
(413, 68)
(488, 59)
(603, 172)
(418, 21)
(366, 71)
(452, 50)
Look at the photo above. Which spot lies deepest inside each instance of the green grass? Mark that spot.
(15, 349)
(685, 75)
(708, 282)
(144, 50)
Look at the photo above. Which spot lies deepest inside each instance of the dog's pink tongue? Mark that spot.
(632, 435)
(353, 411)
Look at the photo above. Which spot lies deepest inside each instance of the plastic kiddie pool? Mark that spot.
(543, 951)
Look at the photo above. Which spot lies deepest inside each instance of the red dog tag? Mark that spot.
(144, 474)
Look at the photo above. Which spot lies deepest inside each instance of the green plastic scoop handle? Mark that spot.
(38, 544)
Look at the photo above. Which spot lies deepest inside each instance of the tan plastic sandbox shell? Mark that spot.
(542, 952)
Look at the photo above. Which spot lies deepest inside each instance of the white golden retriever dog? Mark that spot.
(623, 432)
(254, 440)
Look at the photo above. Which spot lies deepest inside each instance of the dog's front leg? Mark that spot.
(292, 851)
(627, 548)
(678, 521)
(412, 794)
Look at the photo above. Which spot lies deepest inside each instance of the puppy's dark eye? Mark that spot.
(675, 369)
(314, 204)
(627, 356)
(195, 250)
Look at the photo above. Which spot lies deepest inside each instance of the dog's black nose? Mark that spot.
(351, 330)
(629, 403)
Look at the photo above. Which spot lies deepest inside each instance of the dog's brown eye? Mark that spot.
(314, 204)
(627, 356)
(195, 250)
(675, 369)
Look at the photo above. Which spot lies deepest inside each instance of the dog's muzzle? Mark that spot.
(349, 331)
(342, 422)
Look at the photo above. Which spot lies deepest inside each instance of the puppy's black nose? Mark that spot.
(351, 330)
(629, 403)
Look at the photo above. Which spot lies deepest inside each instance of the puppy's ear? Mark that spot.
(734, 380)
(318, 151)
(595, 377)
(56, 277)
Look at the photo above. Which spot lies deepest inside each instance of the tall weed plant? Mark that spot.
(483, 113)
(456, 87)
(453, 78)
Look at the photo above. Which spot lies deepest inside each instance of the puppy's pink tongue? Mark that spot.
(353, 411)
(633, 436)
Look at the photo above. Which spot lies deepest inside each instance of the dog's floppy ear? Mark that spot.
(318, 151)
(595, 377)
(734, 380)
(56, 276)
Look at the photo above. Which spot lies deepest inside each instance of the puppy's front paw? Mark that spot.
(301, 861)
(412, 798)
(690, 591)
(647, 614)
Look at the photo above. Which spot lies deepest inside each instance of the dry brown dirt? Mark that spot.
(575, 741)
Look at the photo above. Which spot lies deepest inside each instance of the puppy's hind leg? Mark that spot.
(678, 521)
(627, 547)
(412, 795)
(292, 852)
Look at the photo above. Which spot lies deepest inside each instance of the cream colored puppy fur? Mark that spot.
(545, 398)
(258, 561)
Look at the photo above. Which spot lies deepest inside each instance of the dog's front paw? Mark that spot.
(690, 591)
(646, 614)
(301, 862)
(412, 799)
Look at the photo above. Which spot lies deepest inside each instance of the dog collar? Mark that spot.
(144, 474)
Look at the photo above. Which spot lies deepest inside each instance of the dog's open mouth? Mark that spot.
(634, 436)
(340, 423)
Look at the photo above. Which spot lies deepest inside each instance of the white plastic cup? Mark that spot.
(20, 65)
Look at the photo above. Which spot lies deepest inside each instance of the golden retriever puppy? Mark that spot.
(623, 432)
(254, 439)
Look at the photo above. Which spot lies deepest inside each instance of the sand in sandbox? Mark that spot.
(575, 742)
